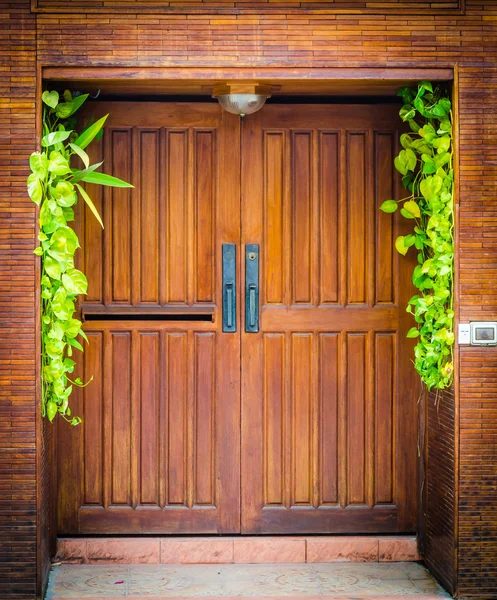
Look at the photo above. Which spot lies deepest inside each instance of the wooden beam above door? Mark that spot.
(282, 80)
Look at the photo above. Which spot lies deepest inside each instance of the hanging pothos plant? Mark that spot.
(427, 168)
(54, 185)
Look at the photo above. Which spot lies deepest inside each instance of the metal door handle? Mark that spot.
(252, 288)
(229, 305)
(252, 305)
(229, 288)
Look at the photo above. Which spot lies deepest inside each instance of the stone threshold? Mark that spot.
(237, 550)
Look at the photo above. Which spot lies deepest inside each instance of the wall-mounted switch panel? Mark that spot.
(464, 333)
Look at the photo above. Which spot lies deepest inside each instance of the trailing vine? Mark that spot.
(54, 185)
(426, 163)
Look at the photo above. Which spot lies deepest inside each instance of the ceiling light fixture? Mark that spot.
(241, 98)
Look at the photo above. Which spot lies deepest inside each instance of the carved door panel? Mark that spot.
(158, 450)
(329, 395)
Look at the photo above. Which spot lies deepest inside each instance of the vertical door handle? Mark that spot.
(252, 288)
(229, 288)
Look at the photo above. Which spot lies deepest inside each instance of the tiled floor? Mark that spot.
(344, 581)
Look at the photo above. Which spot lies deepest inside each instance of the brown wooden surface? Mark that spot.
(154, 444)
(159, 447)
(329, 401)
(282, 42)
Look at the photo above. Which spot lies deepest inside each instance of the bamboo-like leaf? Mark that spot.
(78, 175)
(81, 153)
(90, 204)
(103, 179)
(89, 133)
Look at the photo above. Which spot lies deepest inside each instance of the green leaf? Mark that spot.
(429, 167)
(57, 164)
(75, 282)
(442, 143)
(411, 159)
(55, 137)
(90, 204)
(412, 207)
(35, 188)
(64, 240)
(72, 328)
(414, 126)
(389, 206)
(425, 85)
(38, 251)
(89, 133)
(103, 179)
(442, 107)
(81, 153)
(66, 109)
(75, 344)
(400, 165)
(407, 112)
(50, 98)
(77, 175)
(38, 162)
(55, 348)
(406, 140)
(78, 102)
(413, 332)
(400, 245)
(52, 268)
(445, 126)
(64, 194)
(406, 214)
(54, 370)
(51, 410)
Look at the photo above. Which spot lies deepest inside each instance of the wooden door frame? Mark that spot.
(317, 81)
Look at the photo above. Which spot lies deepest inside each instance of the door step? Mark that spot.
(238, 550)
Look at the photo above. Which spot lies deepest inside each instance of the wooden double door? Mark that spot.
(307, 423)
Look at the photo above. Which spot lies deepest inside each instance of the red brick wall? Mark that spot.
(306, 40)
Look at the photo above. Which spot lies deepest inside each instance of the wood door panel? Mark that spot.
(158, 245)
(159, 447)
(329, 407)
(150, 417)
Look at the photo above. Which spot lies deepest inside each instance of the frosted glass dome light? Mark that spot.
(242, 104)
(241, 98)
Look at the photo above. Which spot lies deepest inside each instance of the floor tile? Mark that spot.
(270, 580)
(416, 570)
(80, 581)
(384, 571)
(179, 580)
(318, 581)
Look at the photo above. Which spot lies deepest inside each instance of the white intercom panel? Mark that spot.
(478, 333)
(483, 333)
